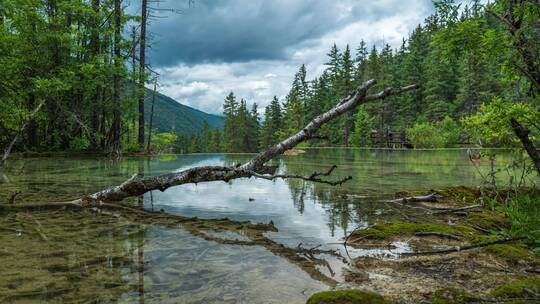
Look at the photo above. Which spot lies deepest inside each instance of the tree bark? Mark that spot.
(523, 135)
(95, 50)
(151, 117)
(142, 77)
(114, 142)
(256, 167)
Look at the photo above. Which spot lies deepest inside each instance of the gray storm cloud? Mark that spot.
(253, 47)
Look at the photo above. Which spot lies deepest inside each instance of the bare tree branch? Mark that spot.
(8, 149)
(256, 167)
(315, 177)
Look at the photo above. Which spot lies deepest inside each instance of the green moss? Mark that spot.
(451, 296)
(517, 289)
(389, 230)
(490, 220)
(461, 195)
(346, 297)
(512, 253)
(485, 238)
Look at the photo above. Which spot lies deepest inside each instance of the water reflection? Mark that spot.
(69, 256)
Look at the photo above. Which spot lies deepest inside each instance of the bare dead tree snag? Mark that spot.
(256, 167)
(523, 134)
(142, 77)
(8, 149)
(149, 143)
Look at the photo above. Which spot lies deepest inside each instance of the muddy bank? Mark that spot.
(504, 272)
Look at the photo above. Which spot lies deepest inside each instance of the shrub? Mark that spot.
(491, 125)
(425, 135)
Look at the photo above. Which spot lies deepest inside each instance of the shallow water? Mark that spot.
(73, 256)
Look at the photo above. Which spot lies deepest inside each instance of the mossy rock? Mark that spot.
(516, 290)
(451, 296)
(389, 230)
(347, 297)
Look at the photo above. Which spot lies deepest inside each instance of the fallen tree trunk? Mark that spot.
(454, 210)
(256, 167)
(8, 149)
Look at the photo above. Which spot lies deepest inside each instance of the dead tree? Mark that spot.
(114, 140)
(30, 118)
(149, 143)
(142, 59)
(256, 167)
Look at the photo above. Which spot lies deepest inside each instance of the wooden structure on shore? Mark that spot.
(391, 139)
(398, 139)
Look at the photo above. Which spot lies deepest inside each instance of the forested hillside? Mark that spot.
(173, 117)
(465, 60)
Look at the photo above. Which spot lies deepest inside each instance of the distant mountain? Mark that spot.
(172, 116)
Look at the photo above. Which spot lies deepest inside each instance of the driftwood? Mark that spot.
(440, 234)
(8, 149)
(256, 167)
(455, 210)
(432, 197)
(466, 247)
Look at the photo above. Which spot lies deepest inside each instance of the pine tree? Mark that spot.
(231, 132)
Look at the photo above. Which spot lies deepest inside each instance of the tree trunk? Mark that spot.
(95, 50)
(151, 117)
(523, 135)
(348, 127)
(142, 77)
(114, 144)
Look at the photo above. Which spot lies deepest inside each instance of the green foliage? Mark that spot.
(363, 125)
(523, 211)
(443, 134)
(450, 130)
(163, 142)
(425, 135)
(491, 125)
(61, 52)
(462, 57)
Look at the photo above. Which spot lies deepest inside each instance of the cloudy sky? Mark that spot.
(254, 47)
